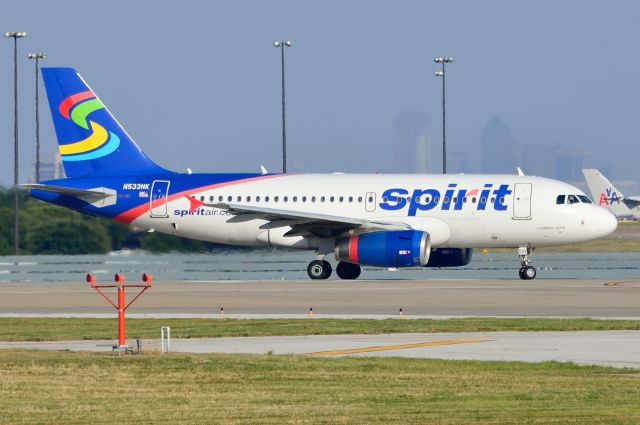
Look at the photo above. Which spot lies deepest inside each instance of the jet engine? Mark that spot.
(450, 257)
(398, 248)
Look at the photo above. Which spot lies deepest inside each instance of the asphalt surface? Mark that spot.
(374, 298)
(606, 348)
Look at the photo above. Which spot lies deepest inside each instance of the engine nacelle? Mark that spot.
(398, 248)
(450, 257)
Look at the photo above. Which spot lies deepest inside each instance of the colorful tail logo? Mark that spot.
(100, 143)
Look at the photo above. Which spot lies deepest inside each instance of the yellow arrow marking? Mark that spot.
(396, 347)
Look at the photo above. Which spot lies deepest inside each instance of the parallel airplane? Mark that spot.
(393, 221)
(606, 195)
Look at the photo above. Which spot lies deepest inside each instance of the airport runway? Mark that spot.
(606, 348)
(378, 298)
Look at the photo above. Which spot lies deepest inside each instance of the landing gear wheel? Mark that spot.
(319, 269)
(527, 273)
(348, 271)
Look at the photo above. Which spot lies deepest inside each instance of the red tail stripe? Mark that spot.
(66, 104)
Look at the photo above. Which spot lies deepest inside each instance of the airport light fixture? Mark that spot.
(281, 45)
(15, 35)
(37, 57)
(441, 73)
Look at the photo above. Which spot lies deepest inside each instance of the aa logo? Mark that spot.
(609, 197)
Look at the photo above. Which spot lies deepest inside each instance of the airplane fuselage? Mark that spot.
(456, 210)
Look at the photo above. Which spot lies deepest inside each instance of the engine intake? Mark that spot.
(398, 248)
(450, 257)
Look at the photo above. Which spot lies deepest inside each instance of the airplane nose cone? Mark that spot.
(603, 222)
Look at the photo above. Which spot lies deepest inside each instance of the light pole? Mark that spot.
(441, 73)
(37, 57)
(281, 45)
(15, 36)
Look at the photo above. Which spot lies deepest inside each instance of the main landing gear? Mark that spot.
(321, 269)
(527, 271)
(348, 271)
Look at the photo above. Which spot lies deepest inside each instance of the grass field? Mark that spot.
(44, 329)
(63, 387)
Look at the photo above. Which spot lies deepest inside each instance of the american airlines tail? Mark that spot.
(605, 194)
(91, 142)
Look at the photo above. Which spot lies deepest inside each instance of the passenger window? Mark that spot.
(350, 198)
(239, 198)
(360, 199)
(572, 199)
(331, 199)
(202, 198)
(295, 199)
(473, 200)
(455, 200)
(502, 200)
(313, 199)
(483, 200)
(342, 199)
(560, 199)
(275, 199)
(322, 199)
(304, 199)
(248, 198)
(220, 198)
(266, 199)
(371, 199)
(436, 199)
(385, 199)
(257, 199)
(229, 198)
(285, 199)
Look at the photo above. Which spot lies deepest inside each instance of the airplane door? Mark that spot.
(370, 202)
(159, 197)
(522, 201)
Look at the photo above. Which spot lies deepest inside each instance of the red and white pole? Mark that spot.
(121, 307)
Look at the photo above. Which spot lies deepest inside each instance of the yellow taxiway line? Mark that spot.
(396, 347)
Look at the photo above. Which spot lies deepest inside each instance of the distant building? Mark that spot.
(536, 160)
(412, 150)
(498, 149)
(50, 170)
(569, 165)
(458, 163)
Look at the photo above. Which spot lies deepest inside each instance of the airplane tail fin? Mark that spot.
(90, 140)
(605, 194)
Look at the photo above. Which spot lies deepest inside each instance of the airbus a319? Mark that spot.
(394, 220)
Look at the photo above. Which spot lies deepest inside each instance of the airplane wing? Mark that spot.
(301, 223)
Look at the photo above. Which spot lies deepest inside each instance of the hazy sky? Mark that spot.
(197, 83)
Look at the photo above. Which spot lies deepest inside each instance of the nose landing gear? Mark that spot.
(527, 271)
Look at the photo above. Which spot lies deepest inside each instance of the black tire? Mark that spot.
(521, 273)
(348, 271)
(319, 270)
(529, 272)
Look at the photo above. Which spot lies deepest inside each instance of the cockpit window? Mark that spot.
(572, 199)
(560, 199)
(585, 199)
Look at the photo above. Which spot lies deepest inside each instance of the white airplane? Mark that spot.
(362, 219)
(606, 195)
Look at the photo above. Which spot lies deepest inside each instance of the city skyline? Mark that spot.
(536, 66)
